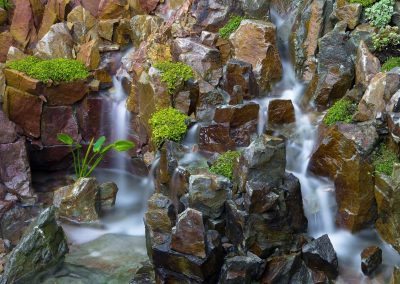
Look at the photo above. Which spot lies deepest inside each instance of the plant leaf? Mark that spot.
(123, 145)
(107, 148)
(98, 144)
(65, 138)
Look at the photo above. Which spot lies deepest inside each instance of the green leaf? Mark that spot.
(98, 144)
(123, 145)
(65, 138)
(107, 148)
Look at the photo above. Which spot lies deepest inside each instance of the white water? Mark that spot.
(319, 193)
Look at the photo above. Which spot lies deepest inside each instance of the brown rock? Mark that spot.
(122, 33)
(106, 196)
(367, 65)
(22, 26)
(350, 14)
(111, 9)
(25, 110)
(65, 93)
(148, 5)
(215, 138)
(55, 10)
(91, 5)
(22, 82)
(281, 112)
(6, 40)
(143, 26)
(8, 129)
(15, 54)
(188, 236)
(82, 22)
(57, 120)
(3, 16)
(50, 157)
(371, 258)
(255, 42)
(90, 117)
(106, 28)
(89, 54)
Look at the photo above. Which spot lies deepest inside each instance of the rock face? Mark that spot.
(255, 42)
(350, 14)
(371, 258)
(281, 112)
(320, 255)
(43, 245)
(142, 26)
(57, 43)
(22, 26)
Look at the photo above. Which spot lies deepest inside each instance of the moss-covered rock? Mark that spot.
(384, 159)
(225, 163)
(231, 26)
(341, 111)
(391, 63)
(174, 74)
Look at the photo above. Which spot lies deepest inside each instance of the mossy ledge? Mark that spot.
(384, 159)
(225, 163)
(341, 111)
(231, 26)
(56, 70)
(174, 74)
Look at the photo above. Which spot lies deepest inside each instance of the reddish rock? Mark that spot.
(56, 120)
(188, 236)
(22, 26)
(91, 5)
(50, 158)
(25, 110)
(65, 93)
(111, 9)
(90, 114)
(22, 82)
(148, 5)
(215, 138)
(3, 16)
(89, 54)
(8, 129)
(366, 65)
(281, 112)
(371, 258)
(56, 43)
(55, 10)
(5, 43)
(15, 172)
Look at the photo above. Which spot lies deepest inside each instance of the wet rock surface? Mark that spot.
(371, 258)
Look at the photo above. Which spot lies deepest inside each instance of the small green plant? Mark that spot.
(380, 14)
(384, 158)
(231, 26)
(5, 4)
(391, 63)
(364, 3)
(174, 74)
(56, 70)
(342, 110)
(86, 162)
(168, 124)
(225, 163)
(388, 36)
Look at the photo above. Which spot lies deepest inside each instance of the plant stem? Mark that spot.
(84, 165)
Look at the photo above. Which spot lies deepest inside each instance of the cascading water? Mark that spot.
(318, 193)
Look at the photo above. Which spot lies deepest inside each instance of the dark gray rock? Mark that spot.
(241, 269)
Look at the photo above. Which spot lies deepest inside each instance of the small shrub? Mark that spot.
(225, 163)
(391, 63)
(5, 4)
(167, 124)
(364, 3)
(384, 159)
(174, 74)
(380, 13)
(342, 110)
(57, 70)
(388, 36)
(231, 26)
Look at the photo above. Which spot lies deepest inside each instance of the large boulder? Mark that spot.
(255, 42)
(81, 22)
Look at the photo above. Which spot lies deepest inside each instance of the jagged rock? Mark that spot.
(281, 112)
(362, 32)
(204, 60)
(65, 93)
(349, 13)
(23, 28)
(148, 5)
(142, 26)
(77, 202)
(8, 130)
(43, 245)
(255, 42)
(319, 254)
(241, 269)
(56, 43)
(89, 54)
(208, 38)
(371, 258)
(55, 10)
(259, 197)
(81, 22)
(188, 236)
(208, 193)
(106, 196)
(15, 54)
(366, 65)
(209, 98)
(215, 138)
(22, 82)
(340, 156)
(6, 40)
(56, 120)
(240, 73)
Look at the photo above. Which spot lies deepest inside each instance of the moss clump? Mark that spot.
(391, 63)
(384, 159)
(342, 110)
(5, 4)
(380, 14)
(167, 124)
(225, 163)
(174, 74)
(364, 3)
(56, 70)
(231, 26)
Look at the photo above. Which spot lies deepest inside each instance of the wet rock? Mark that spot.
(6, 40)
(56, 120)
(188, 236)
(145, 274)
(366, 65)
(259, 197)
(65, 93)
(89, 117)
(241, 269)
(208, 193)
(209, 98)
(22, 26)
(281, 112)
(106, 196)
(43, 245)
(8, 130)
(362, 32)
(380, 90)
(240, 73)
(77, 202)
(81, 22)
(50, 157)
(371, 258)
(89, 54)
(235, 223)
(340, 158)
(263, 161)
(54, 11)
(320, 255)
(255, 42)
(349, 13)
(142, 26)
(215, 138)
(15, 172)
(204, 60)
(25, 110)
(57, 43)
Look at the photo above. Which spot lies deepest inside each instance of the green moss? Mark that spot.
(57, 70)
(384, 159)
(167, 124)
(342, 110)
(225, 163)
(391, 63)
(364, 3)
(174, 74)
(231, 26)
(388, 36)
(5, 4)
